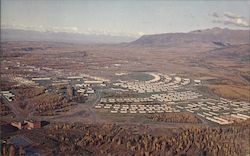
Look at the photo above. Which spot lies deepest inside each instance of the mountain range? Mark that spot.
(208, 37)
(50, 36)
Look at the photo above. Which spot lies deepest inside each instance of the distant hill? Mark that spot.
(30, 35)
(209, 37)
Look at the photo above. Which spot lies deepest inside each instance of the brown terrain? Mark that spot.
(175, 118)
(218, 57)
(112, 139)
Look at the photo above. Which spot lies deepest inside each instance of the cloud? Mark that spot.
(72, 29)
(91, 31)
(238, 22)
(232, 15)
(231, 19)
(41, 28)
(140, 33)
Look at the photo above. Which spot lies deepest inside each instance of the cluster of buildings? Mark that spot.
(144, 104)
(22, 80)
(26, 124)
(76, 85)
(171, 96)
(222, 111)
(8, 95)
(176, 96)
(140, 108)
(125, 100)
(160, 83)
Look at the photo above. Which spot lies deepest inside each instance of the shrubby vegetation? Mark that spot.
(111, 139)
(4, 110)
(37, 99)
(183, 117)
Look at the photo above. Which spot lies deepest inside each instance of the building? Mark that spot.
(31, 124)
(26, 124)
(18, 124)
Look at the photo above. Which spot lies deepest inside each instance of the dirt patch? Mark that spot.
(232, 91)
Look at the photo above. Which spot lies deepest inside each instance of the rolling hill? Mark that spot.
(50, 36)
(210, 37)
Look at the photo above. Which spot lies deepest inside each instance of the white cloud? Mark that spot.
(91, 31)
(229, 18)
(41, 28)
(232, 15)
(140, 33)
(72, 29)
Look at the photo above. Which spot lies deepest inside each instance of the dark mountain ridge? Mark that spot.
(209, 37)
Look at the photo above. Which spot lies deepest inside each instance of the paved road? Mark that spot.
(98, 96)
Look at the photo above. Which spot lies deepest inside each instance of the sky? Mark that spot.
(124, 17)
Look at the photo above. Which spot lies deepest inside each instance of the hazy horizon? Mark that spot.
(123, 18)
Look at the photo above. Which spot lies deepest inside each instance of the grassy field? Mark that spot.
(140, 76)
(232, 91)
